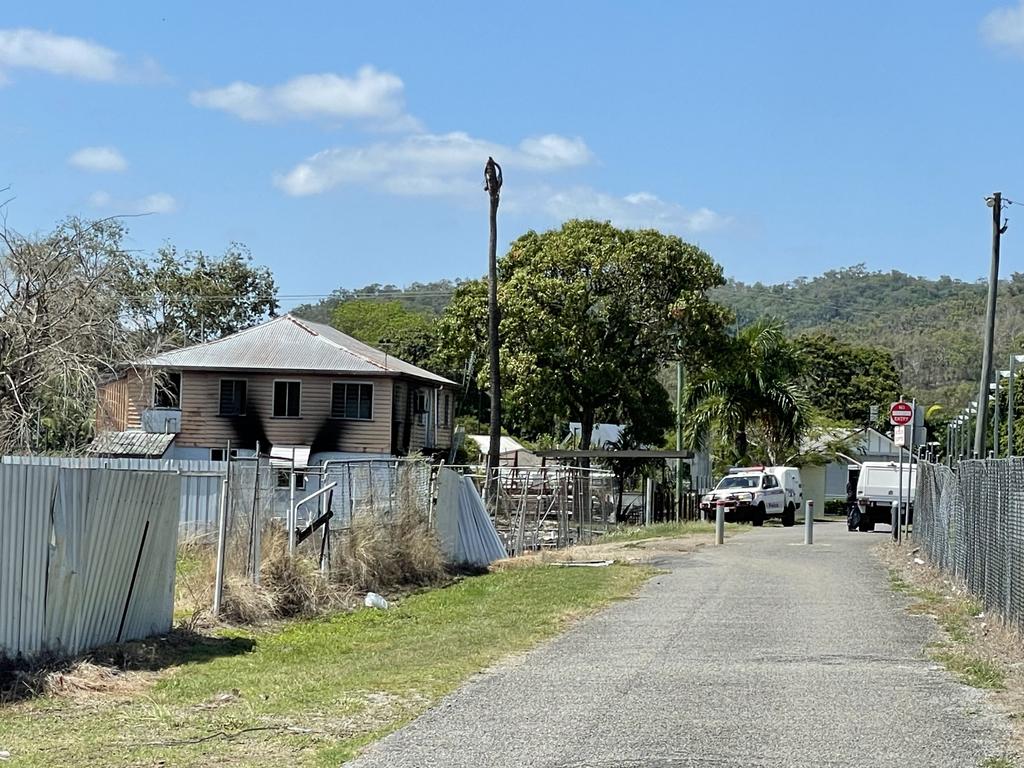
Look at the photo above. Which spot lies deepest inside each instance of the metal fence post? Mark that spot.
(719, 523)
(809, 522)
(222, 535)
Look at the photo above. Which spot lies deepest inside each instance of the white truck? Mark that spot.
(878, 492)
(754, 494)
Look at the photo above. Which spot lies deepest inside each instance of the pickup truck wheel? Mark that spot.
(866, 525)
(853, 519)
(758, 517)
(789, 516)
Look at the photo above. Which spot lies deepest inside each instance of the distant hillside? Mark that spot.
(431, 298)
(932, 327)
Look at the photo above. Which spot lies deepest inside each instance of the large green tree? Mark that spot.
(192, 297)
(752, 387)
(589, 313)
(390, 325)
(844, 380)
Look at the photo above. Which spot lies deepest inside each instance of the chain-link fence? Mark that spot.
(970, 523)
(266, 499)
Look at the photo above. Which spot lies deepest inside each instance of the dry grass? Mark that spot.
(978, 647)
(373, 556)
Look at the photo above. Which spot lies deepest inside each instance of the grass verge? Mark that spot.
(658, 531)
(975, 646)
(956, 650)
(316, 691)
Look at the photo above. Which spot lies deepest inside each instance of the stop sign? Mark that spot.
(901, 413)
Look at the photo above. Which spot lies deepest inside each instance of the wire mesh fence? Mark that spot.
(268, 503)
(969, 521)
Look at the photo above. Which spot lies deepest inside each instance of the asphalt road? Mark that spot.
(762, 652)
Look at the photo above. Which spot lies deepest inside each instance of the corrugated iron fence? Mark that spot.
(200, 483)
(87, 556)
(970, 523)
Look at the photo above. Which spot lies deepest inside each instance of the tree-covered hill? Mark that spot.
(933, 327)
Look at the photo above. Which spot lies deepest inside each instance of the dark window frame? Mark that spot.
(342, 413)
(244, 398)
(162, 390)
(286, 410)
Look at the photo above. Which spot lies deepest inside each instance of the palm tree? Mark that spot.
(751, 387)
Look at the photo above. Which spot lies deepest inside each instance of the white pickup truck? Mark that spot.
(756, 493)
(878, 492)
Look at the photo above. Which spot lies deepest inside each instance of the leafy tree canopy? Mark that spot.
(589, 313)
(389, 325)
(193, 297)
(842, 381)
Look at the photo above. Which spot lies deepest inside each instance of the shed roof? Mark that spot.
(288, 343)
(131, 444)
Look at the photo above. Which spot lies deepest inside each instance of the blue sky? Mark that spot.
(344, 142)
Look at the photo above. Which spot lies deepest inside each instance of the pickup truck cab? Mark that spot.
(753, 494)
(878, 492)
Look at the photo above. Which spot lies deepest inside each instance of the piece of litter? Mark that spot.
(4, 754)
(918, 561)
(373, 600)
(586, 563)
(980, 616)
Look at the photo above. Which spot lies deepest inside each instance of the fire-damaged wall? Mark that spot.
(396, 427)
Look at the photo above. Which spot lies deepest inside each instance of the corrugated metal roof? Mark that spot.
(133, 442)
(287, 343)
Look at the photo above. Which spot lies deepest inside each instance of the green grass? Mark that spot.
(658, 531)
(997, 762)
(955, 651)
(317, 690)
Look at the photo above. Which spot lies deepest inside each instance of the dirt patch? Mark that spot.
(639, 552)
(977, 646)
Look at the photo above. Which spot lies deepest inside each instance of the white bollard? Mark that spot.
(809, 523)
(719, 523)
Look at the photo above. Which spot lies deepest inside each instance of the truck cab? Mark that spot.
(754, 494)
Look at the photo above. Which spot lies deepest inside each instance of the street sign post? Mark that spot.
(901, 413)
(899, 435)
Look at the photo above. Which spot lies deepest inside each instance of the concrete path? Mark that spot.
(759, 653)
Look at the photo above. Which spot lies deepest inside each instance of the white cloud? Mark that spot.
(371, 95)
(428, 164)
(102, 159)
(1004, 28)
(638, 210)
(57, 54)
(159, 202)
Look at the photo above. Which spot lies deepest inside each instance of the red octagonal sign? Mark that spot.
(901, 413)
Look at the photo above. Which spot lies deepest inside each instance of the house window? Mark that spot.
(284, 479)
(167, 390)
(286, 399)
(216, 454)
(232, 397)
(421, 408)
(352, 401)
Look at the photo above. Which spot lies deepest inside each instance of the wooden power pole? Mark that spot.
(492, 183)
(996, 201)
